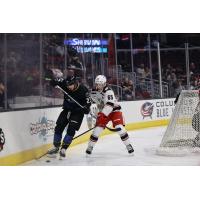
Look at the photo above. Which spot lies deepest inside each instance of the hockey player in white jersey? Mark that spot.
(109, 110)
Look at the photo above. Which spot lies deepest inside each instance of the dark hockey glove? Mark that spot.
(57, 81)
(86, 110)
(53, 82)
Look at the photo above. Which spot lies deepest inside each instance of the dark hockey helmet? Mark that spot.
(70, 80)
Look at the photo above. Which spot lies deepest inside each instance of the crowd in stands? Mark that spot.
(177, 80)
(174, 75)
(24, 72)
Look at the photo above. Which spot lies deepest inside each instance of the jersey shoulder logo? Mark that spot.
(106, 89)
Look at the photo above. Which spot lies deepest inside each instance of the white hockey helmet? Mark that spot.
(100, 81)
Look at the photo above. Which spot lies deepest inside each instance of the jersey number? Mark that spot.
(110, 97)
(2, 138)
(88, 100)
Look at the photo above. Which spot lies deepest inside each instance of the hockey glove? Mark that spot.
(93, 110)
(53, 82)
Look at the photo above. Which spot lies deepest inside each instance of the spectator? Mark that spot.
(141, 74)
(173, 77)
(177, 86)
(141, 71)
(2, 90)
(132, 88)
(193, 69)
(127, 89)
(195, 83)
(147, 73)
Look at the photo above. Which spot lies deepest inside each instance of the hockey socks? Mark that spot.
(125, 139)
(92, 142)
(57, 139)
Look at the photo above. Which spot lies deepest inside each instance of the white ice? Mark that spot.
(111, 151)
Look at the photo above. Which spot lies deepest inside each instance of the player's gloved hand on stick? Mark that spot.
(93, 110)
(53, 82)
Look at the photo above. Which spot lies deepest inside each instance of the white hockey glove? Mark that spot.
(91, 117)
(93, 110)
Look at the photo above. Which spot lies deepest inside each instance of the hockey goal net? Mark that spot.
(183, 132)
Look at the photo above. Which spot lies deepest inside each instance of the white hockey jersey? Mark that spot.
(105, 100)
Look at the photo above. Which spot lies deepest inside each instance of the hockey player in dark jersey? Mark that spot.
(72, 114)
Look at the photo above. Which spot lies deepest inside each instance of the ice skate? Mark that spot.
(130, 148)
(62, 153)
(52, 153)
(89, 150)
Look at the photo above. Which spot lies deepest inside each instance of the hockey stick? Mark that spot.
(84, 133)
(110, 129)
(70, 96)
(72, 140)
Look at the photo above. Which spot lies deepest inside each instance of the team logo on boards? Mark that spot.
(43, 128)
(147, 110)
(2, 139)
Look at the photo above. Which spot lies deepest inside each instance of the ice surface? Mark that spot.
(111, 151)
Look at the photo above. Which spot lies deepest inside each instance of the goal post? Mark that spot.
(182, 135)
